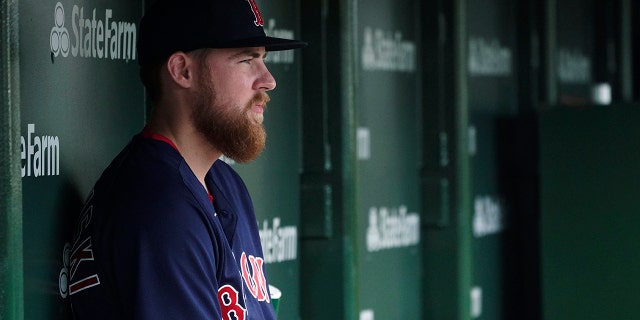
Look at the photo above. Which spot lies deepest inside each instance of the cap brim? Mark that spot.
(278, 44)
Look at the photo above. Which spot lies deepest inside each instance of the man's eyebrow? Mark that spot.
(253, 53)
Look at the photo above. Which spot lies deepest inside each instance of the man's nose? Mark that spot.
(266, 81)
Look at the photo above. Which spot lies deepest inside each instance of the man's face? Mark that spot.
(230, 101)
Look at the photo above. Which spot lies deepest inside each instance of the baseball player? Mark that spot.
(169, 231)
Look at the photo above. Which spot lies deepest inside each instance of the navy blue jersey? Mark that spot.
(151, 243)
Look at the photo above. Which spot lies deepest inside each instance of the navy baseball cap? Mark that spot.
(169, 26)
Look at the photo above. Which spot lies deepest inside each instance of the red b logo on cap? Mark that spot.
(256, 12)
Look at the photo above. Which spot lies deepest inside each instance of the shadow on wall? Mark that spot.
(49, 219)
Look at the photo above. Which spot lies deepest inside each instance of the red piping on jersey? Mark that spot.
(147, 133)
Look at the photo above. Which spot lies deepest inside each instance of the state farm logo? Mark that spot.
(92, 35)
(59, 39)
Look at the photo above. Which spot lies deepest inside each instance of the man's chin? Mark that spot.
(258, 118)
(244, 158)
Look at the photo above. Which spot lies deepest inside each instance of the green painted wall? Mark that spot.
(388, 152)
(493, 96)
(590, 162)
(80, 102)
(11, 264)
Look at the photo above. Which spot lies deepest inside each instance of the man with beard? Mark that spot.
(168, 231)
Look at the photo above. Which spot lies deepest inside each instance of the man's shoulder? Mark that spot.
(146, 156)
(143, 163)
(147, 177)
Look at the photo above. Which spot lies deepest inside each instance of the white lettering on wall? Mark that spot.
(488, 57)
(387, 51)
(392, 228)
(279, 243)
(476, 302)
(40, 154)
(282, 56)
(367, 314)
(94, 36)
(226, 159)
(488, 217)
(364, 143)
(573, 67)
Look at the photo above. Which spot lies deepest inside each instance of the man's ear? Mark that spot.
(180, 70)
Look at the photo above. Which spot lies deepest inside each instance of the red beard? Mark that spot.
(231, 130)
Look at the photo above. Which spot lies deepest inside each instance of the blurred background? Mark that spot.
(463, 159)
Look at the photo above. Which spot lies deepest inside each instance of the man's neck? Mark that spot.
(194, 148)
